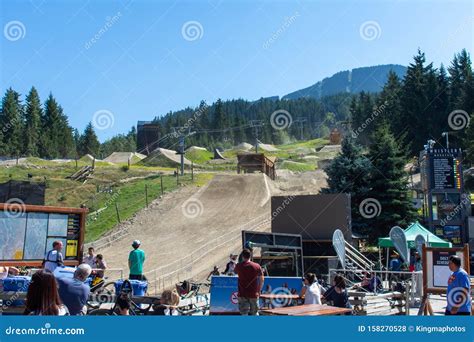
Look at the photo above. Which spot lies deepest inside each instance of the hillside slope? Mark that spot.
(369, 79)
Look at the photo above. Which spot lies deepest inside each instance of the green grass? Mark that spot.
(310, 144)
(130, 198)
(295, 166)
(199, 156)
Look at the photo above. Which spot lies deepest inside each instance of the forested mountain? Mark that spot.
(227, 123)
(367, 79)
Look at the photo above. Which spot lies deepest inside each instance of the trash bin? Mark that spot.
(139, 287)
(15, 284)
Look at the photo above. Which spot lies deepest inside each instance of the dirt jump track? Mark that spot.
(189, 231)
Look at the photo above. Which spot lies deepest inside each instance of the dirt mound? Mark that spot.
(244, 146)
(267, 147)
(124, 157)
(304, 183)
(87, 158)
(164, 157)
(196, 148)
(188, 220)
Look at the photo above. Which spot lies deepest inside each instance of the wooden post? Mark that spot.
(117, 211)
(192, 171)
(76, 162)
(146, 195)
(177, 178)
(93, 162)
(161, 181)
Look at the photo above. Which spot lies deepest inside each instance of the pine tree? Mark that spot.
(388, 104)
(51, 125)
(389, 184)
(89, 142)
(348, 173)
(33, 113)
(416, 103)
(65, 135)
(11, 120)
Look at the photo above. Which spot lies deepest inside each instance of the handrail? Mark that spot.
(359, 254)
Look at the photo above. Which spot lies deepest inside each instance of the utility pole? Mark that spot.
(256, 124)
(301, 121)
(182, 133)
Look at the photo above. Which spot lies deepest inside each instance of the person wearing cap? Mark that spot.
(73, 292)
(459, 287)
(230, 267)
(136, 259)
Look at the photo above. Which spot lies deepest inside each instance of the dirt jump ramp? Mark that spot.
(193, 228)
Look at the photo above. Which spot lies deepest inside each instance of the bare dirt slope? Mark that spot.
(181, 224)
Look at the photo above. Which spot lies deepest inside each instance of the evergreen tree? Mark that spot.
(349, 173)
(11, 120)
(389, 184)
(33, 113)
(389, 106)
(67, 148)
(51, 126)
(416, 103)
(89, 143)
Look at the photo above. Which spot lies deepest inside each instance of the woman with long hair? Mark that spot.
(42, 297)
(337, 294)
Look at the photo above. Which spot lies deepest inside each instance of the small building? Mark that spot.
(256, 162)
(148, 136)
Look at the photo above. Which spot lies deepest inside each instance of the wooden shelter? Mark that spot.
(256, 162)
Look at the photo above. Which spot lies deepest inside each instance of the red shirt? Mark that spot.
(249, 274)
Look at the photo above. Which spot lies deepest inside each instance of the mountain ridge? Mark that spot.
(368, 79)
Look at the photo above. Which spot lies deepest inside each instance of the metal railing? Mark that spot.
(412, 280)
(358, 258)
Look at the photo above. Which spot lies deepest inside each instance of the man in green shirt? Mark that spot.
(136, 258)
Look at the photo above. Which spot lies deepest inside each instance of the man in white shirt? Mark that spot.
(89, 259)
(54, 258)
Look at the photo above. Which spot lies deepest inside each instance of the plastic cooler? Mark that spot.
(139, 287)
(16, 284)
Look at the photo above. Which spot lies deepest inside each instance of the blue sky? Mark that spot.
(139, 59)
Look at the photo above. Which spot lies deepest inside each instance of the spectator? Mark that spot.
(136, 259)
(230, 267)
(214, 272)
(250, 284)
(42, 297)
(100, 266)
(124, 300)
(337, 294)
(89, 259)
(459, 287)
(8, 271)
(395, 263)
(375, 283)
(74, 292)
(418, 263)
(311, 291)
(54, 258)
(365, 283)
(169, 301)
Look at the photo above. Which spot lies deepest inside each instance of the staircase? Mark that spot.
(356, 262)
